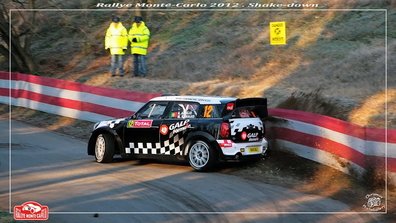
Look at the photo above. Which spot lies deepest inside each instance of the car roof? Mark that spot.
(199, 99)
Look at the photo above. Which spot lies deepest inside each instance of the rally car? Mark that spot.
(200, 129)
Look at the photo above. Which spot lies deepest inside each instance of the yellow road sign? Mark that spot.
(277, 33)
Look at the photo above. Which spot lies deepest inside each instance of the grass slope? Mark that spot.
(333, 63)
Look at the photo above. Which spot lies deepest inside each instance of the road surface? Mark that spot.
(54, 170)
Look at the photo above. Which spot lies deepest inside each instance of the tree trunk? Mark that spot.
(23, 60)
(20, 58)
(140, 12)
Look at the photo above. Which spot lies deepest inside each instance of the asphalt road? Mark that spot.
(54, 170)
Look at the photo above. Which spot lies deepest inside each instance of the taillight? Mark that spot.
(225, 130)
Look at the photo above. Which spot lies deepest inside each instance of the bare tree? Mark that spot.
(17, 37)
(139, 11)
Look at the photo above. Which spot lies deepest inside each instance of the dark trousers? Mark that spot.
(117, 63)
(139, 65)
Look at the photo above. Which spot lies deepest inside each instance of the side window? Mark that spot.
(152, 110)
(183, 110)
(210, 111)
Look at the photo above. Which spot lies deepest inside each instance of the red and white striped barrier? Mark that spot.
(344, 146)
(341, 145)
(69, 98)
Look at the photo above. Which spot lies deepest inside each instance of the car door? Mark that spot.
(142, 130)
(175, 124)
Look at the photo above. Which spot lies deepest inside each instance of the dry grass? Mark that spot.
(338, 55)
(373, 109)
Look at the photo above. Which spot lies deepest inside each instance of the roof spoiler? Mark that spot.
(259, 105)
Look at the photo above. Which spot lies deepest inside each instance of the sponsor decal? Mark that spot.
(374, 202)
(225, 143)
(175, 114)
(252, 136)
(31, 210)
(164, 129)
(230, 106)
(208, 111)
(139, 123)
(179, 126)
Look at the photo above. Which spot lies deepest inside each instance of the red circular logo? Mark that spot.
(164, 129)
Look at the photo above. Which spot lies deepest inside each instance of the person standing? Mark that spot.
(139, 36)
(117, 41)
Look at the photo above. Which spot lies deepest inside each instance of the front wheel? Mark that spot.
(201, 155)
(104, 148)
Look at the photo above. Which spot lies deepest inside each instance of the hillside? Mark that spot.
(333, 63)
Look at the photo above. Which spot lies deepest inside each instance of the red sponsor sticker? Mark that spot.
(230, 106)
(31, 210)
(225, 143)
(164, 129)
(140, 123)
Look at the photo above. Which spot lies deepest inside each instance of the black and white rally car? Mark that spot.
(201, 130)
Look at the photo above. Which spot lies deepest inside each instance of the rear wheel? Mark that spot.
(201, 155)
(104, 148)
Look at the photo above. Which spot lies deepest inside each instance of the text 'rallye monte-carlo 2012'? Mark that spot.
(201, 130)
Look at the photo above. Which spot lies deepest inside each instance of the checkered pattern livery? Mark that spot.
(171, 146)
(238, 125)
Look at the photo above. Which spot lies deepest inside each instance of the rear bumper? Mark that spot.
(233, 150)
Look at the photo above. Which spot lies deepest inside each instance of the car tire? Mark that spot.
(201, 155)
(104, 148)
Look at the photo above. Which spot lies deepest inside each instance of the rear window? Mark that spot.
(246, 108)
(244, 112)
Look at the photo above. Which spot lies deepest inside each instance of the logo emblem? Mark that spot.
(374, 202)
(164, 129)
(139, 123)
(31, 210)
(179, 126)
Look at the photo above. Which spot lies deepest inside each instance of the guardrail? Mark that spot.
(69, 98)
(347, 147)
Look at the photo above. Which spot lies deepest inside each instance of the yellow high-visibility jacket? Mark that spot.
(116, 38)
(142, 35)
